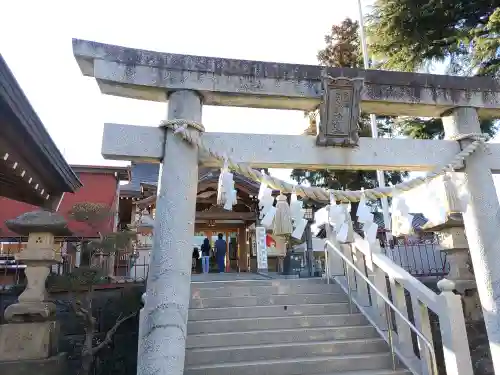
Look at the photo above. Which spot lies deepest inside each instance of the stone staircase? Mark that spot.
(280, 327)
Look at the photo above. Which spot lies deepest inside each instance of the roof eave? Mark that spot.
(122, 173)
(32, 128)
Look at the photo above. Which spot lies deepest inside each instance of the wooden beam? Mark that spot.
(200, 227)
(150, 75)
(142, 143)
(225, 215)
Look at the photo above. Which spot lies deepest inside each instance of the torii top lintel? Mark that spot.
(149, 75)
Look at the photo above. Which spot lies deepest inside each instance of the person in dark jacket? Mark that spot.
(205, 255)
(195, 257)
(220, 252)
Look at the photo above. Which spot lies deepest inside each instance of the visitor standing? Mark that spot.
(195, 257)
(220, 252)
(205, 255)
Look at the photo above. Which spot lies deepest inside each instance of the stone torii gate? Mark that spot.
(187, 82)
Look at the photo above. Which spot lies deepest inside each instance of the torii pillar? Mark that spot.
(482, 224)
(164, 317)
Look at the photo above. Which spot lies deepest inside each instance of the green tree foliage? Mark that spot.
(409, 34)
(420, 128)
(81, 281)
(343, 46)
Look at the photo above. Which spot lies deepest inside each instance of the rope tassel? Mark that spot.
(283, 217)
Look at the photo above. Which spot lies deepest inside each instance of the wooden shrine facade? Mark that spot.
(211, 219)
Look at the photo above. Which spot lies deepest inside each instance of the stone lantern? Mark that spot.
(453, 242)
(32, 331)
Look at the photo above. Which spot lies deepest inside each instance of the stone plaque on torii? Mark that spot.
(187, 82)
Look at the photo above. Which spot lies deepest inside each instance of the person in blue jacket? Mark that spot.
(220, 252)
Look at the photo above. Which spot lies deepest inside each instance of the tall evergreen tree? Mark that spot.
(409, 34)
(412, 35)
(343, 49)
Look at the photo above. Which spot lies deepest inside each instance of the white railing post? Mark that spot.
(335, 264)
(423, 324)
(453, 333)
(362, 292)
(377, 276)
(399, 300)
(350, 276)
(447, 306)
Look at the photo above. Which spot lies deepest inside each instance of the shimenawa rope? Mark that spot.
(180, 128)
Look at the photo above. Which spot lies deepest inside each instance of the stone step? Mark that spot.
(265, 282)
(266, 300)
(286, 322)
(269, 311)
(208, 356)
(371, 372)
(297, 366)
(277, 336)
(249, 290)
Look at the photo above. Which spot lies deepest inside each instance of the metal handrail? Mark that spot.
(388, 303)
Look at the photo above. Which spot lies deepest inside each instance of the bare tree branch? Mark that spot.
(109, 335)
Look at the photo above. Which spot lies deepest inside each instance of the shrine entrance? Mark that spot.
(237, 258)
(181, 145)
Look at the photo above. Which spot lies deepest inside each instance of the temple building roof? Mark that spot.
(140, 173)
(207, 186)
(32, 170)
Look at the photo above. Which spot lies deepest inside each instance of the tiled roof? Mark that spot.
(147, 174)
(213, 174)
(140, 173)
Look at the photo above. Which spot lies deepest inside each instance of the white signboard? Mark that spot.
(260, 239)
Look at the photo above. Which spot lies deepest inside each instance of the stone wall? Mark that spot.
(108, 302)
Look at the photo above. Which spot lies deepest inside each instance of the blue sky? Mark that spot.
(35, 40)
